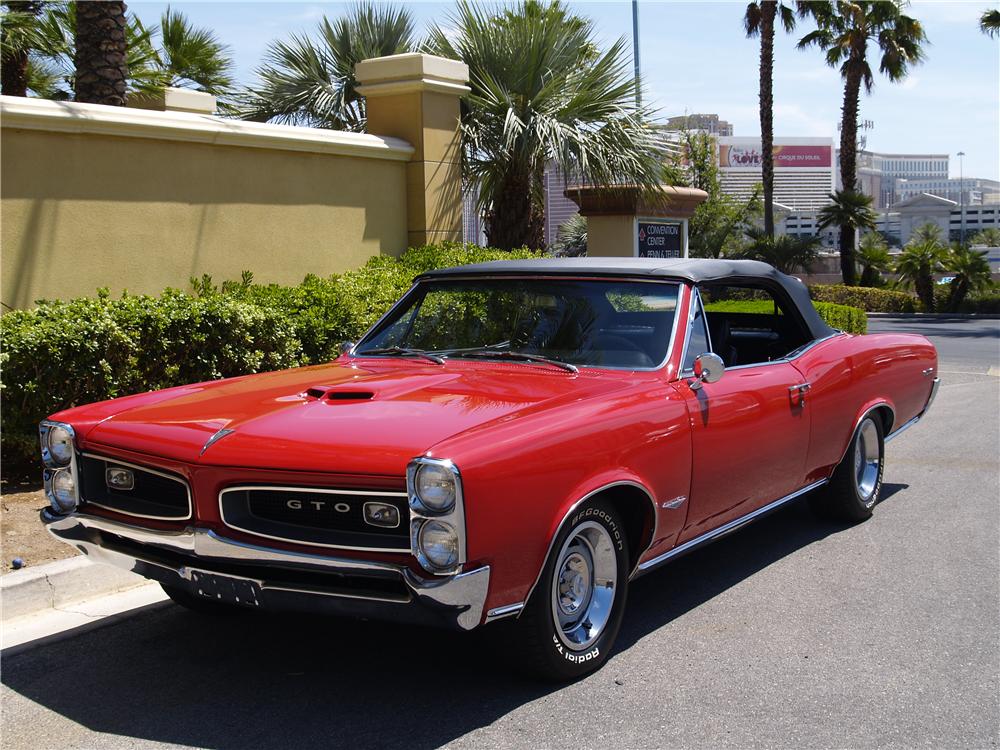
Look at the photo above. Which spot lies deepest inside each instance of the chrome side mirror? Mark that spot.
(708, 368)
(346, 347)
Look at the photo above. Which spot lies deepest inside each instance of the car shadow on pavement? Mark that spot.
(283, 681)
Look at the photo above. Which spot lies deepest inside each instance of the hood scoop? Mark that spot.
(334, 393)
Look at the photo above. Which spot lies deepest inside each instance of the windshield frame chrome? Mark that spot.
(354, 354)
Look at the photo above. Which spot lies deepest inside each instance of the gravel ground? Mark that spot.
(23, 535)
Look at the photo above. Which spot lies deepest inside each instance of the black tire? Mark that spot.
(546, 647)
(856, 484)
(200, 604)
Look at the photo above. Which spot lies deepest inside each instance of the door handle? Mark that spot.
(799, 389)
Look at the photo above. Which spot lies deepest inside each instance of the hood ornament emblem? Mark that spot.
(216, 437)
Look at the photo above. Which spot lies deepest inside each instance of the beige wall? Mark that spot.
(84, 210)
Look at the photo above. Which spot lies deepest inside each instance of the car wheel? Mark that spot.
(200, 604)
(856, 483)
(572, 620)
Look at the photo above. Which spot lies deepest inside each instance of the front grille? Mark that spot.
(154, 494)
(319, 516)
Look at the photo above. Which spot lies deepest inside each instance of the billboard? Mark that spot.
(749, 156)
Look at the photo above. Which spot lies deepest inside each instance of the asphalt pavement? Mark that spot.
(791, 633)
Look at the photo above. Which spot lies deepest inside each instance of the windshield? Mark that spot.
(601, 323)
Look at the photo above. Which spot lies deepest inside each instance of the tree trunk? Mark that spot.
(869, 276)
(14, 64)
(101, 68)
(925, 289)
(849, 164)
(768, 9)
(515, 220)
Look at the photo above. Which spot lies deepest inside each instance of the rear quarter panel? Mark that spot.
(851, 374)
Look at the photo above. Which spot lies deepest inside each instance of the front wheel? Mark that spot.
(856, 483)
(570, 624)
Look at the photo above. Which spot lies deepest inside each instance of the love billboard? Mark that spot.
(751, 156)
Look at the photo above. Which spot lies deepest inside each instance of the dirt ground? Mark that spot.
(21, 531)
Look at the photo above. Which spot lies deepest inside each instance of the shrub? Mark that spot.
(841, 317)
(866, 298)
(983, 302)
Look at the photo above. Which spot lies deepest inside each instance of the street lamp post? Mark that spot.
(961, 196)
(635, 51)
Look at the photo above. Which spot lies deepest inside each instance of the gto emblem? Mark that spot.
(119, 479)
(317, 505)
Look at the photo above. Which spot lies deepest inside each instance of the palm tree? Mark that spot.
(928, 232)
(572, 239)
(971, 270)
(543, 92)
(787, 253)
(989, 22)
(101, 69)
(873, 257)
(990, 237)
(307, 82)
(192, 57)
(759, 21)
(851, 211)
(844, 30)
(19, 34)
(920, 260)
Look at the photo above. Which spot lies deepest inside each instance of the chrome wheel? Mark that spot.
(867, 462)
(584, 584)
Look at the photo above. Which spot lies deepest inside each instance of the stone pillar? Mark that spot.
(173, 99)
(416, 97)
(625, 221)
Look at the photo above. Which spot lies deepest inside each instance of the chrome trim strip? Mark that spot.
(935, 384)
(420, 514)
(173, 477)
(896, 433)
(498, 613)
(461, 597)
(869, 410)
(574, 506)
(724, 529)
(215, 438)
(280, 488)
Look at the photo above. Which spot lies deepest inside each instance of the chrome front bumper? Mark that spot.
(281, 579)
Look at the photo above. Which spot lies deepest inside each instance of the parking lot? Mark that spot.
(792, 633)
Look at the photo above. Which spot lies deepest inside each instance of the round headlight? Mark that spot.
(439, 543)
(60, 444)
(63, 491)
(435, 486)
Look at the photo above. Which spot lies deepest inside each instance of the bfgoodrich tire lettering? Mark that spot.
(571, 622)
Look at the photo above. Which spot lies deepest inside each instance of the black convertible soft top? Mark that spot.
(693, 270)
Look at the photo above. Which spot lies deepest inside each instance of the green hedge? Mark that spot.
(841, 317)
(985, 302)
(868, 299)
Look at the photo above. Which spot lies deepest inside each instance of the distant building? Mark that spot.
(710, 124)
(803, 170)
(878, 173)
(970, 191)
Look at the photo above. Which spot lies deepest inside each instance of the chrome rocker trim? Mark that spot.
(457, 601)
(727, 528)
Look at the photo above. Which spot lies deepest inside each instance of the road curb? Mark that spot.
(60, 584)
(954, 316)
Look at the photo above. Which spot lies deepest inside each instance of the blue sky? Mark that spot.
(695, 58)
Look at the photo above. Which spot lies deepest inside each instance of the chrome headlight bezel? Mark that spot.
(421, 513)
(53, 467)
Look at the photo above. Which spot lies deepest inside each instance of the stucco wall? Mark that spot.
(145, 200)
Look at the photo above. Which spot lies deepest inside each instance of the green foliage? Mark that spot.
(192, 57)
(841, 317)
(989, 237)
(921, 259)
(873, 257)
(306, 81)
(544, 91)
(989, 22)
(865, 298)
(971, 271)
(848, 209)
(572, 239)
(785, 252)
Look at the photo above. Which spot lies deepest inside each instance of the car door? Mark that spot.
(749, 431)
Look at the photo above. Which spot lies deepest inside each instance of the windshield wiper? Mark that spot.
(516, 356)
(402, 351)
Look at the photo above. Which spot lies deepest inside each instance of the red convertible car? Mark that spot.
(511, 440)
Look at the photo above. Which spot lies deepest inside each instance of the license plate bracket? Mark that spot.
(225, 589)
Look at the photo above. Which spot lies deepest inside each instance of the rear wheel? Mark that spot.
(572, 620)
(856, 483)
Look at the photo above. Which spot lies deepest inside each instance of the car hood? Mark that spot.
(355, 418)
